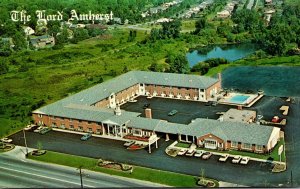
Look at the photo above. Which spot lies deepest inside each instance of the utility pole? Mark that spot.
(291, 178)
(26, 155)
(80, 174)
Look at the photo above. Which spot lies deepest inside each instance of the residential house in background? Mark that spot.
(42, 41)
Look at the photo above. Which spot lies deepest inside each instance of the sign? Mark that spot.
(280, 149)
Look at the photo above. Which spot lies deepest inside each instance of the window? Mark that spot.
(80, 128)
(137, 132)
(234, 144)
(259, 147)
(71, 120)
(246, 146)
(89, 122)
(98, 130)
(90, 129)
(53, 117)
(141, 84)
(201, 90)
(40, 115)
(71, 126)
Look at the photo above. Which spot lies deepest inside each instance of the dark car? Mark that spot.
(86, 136)
(45, 130)
(208, 103)
(173, 112)
(146, 105)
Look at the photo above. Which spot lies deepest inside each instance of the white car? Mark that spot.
(190, 152)
(28, 127)
(182, 152)
(38, 129)
(6, 140)
(245, 160)
(129, 143)
(223, 157)
(236, 159)
(199, 153)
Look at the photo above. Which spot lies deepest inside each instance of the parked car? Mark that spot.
(208, 103)
(236, 159)
(245, 160)
(44, 130)
(6, 140)
(146, 105)
(29, 127)
(173, 112)
(190, 152)
(182, 152)
(223, 157)
(86, 136)
(206, 155)
(129, 143)
(199, 153)
(38, 129)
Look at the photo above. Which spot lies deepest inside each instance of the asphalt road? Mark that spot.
(18, 172)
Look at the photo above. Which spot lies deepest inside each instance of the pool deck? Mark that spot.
(253, 100)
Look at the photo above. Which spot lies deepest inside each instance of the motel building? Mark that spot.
(97, 110)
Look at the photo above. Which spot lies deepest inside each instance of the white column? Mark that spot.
(167, 137)
(108, 131)
(149, 148)
(156, 145)
(115, 128)
(179, 137)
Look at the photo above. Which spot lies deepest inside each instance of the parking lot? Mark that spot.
(187, 110)
(253, 174)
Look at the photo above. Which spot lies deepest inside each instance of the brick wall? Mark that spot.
(174, 90)
(58, 121)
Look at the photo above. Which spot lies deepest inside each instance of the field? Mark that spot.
(50, 75)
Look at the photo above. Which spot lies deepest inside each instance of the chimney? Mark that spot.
(118, 111)
(148, 113)
(220, 76)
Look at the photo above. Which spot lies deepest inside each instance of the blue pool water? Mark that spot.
(239, 99)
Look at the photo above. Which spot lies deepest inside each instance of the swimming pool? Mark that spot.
(238, 99)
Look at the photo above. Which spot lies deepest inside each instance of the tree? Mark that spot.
(3, 67)
(19, 41)
(80, 34)
(178, 63)
(171, 29)
(200, 24)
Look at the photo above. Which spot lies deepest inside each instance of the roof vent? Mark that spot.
(190, 81)
(104, 90)
(81, 100)
(166, 78)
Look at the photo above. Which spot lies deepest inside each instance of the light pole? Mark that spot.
(80, 174)
(26, 155)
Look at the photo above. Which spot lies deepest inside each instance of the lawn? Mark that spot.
(183, 145)
(141, 173)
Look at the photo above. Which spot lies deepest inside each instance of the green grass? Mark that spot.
(273, 154)
(183, 145)
(141, 173)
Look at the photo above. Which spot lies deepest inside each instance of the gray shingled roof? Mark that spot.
(104, 90)
(233, 131)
